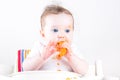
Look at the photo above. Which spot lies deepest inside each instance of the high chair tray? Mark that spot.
(49, 75)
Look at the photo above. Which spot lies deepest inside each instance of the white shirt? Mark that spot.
(52, 63)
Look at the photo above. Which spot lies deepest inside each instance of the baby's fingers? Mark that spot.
(52, 43)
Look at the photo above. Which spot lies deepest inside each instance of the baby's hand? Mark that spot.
(69, 49)
(49, 49)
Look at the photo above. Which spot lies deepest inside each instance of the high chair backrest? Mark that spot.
(21, 55)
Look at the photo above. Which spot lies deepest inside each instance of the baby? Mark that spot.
(56, 52)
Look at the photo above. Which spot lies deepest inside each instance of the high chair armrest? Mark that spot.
(5, 69)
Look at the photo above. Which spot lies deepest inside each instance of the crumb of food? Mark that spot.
(68, 78)
(58, 63)
(71, 78)
(74, 77)
(58, 70)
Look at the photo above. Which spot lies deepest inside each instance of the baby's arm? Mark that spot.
(35, 62)
(78, 65)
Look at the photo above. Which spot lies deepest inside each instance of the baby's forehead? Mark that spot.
(59, 19)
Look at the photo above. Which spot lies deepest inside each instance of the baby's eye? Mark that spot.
(67, 30)
(55, 30)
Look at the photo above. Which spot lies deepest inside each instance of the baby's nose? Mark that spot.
(61, 36)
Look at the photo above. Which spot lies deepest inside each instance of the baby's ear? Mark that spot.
(42, 33)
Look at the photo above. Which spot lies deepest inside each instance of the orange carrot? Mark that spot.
(62, 51)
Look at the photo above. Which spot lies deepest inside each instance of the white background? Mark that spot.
(97, 29)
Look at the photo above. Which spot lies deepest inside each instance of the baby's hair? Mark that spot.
(53, 9)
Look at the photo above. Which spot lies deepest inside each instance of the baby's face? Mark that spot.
(58, 27)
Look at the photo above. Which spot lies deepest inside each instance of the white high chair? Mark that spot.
(95, 72)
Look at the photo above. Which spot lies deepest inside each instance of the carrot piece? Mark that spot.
(62, 51)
